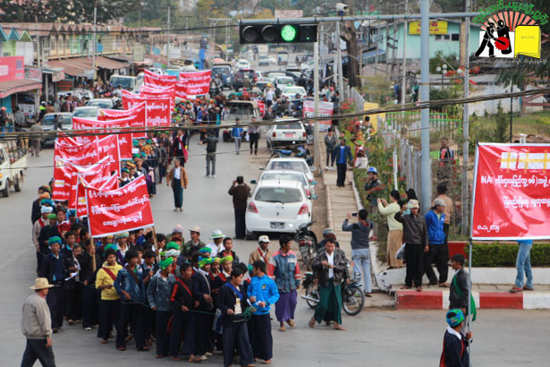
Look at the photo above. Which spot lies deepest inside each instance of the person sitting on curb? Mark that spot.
(523, 264)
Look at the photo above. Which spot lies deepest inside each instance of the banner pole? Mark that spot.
(469, 318)
(94, 265)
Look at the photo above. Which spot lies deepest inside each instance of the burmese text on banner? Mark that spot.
(511, 198)
(125, 209)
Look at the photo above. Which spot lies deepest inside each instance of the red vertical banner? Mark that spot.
(511, 198)
(108, 147)
(158, 111)
(125, 209)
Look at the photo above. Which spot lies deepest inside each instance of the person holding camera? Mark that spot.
(360, 252)
(240, 192)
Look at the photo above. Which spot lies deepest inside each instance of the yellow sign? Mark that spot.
(374, 118)
(436, 27)
(527, 41)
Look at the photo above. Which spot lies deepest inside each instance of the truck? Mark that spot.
(13, 162)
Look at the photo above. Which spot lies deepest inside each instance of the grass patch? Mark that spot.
(536, 123)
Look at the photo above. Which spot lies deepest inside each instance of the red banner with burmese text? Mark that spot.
(125, 209)
(196, 83)
(511, 198)
(103, 183)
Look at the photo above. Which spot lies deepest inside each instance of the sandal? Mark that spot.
(311, 323)
(338, 327)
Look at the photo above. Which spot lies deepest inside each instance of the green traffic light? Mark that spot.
(288, 33)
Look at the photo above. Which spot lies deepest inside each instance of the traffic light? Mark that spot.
(277, 32)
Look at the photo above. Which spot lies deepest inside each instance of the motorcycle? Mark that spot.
(353, 298)
(307, 243)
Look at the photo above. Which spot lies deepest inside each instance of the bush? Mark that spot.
(499, 254)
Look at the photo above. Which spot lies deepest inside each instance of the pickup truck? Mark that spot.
(13, 161)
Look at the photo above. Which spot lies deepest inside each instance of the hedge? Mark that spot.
(498, 254)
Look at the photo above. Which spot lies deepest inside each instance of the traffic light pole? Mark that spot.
(426, 168)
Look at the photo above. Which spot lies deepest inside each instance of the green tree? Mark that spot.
(502, 124)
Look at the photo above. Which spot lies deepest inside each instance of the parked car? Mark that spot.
(290, 92)
(13, 162)
(284, 132)
(242, 64)
(101, 103)
(55, 121)
(263, 61)
(297, 176)
(88, 112)
(290, 164)
(277, 206)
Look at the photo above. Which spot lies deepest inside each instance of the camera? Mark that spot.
(354, 214)
(342, 9)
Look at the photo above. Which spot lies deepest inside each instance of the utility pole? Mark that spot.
(339, 55)
(316, 143)
(168, 34)
(511, 110)
(95, 39)
(426, 176)
(404, 62)
(465, 197)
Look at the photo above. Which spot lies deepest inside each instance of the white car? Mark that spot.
(101, 103)
(88, 112)
(290, 164)
(274, 175)
(286, 131)
(242, 64)
(277, 206)
(284, 81)
(290, 92)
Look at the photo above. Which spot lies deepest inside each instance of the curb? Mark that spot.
(439, 300)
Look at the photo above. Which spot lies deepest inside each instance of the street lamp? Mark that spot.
(443, 70)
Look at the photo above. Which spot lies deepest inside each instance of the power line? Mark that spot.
(396, 108)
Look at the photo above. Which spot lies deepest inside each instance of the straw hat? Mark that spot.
(41, 283)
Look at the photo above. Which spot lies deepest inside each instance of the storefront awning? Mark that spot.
(106, 63)
(17, 86)
(78, 66)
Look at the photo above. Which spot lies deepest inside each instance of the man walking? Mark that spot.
(439, 252)
(330, 269)
(254, 136)
(330, 145)
(416, 240)
(211, 148)
(237, 133)
(523, 265)
(240, 192)
(360, 253)
(36, 326)
(342, 156)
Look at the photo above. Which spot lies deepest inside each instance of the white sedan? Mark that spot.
(309, 187)
(242, 64)
(290, 164)
(291, 91)
(277, 206)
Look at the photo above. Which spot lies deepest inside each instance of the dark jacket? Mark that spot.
(340, 267)
(240, 195)
(53, 268)
(359, 234)
(159, 291)
(45, 233)
(180, 295)
(414, 228)
(227, 300)
(35, 212)
(455, 351)
(211, 144)
(126, 282)
(347, 154)
(86, 271)
(458, 292)
(200, 287)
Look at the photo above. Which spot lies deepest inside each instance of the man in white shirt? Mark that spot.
(217, 243)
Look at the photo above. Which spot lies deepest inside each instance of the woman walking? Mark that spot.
(177, 177)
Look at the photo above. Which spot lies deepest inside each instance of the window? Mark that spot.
(446, 37)
(438, 37)
(278, 195)
(455, 37)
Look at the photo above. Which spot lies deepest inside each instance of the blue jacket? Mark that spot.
(436, 234)
(158, 291)
(264, 289)
(237, 132)
(125, 281)
(347, 154)
(286, 271)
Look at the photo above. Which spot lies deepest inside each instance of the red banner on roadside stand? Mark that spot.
(125, 209)
(511, 199)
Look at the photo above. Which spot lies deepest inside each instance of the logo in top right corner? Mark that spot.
(510, 30)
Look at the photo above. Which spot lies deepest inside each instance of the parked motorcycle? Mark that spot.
(307, 243)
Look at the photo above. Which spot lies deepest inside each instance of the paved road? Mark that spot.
(374, 338)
